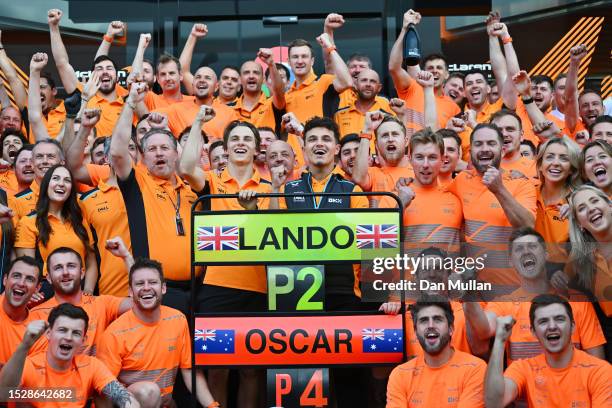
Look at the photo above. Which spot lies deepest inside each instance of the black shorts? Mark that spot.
(219, 299)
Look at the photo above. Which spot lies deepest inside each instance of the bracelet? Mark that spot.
(107, 38)
(365, 136)
(527, 101)
(213, 404)
(331, 49)
(507, 40)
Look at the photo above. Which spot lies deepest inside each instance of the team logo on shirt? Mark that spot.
(218, 238)
(376, 236)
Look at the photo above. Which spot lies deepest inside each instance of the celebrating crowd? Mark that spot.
(97, 189)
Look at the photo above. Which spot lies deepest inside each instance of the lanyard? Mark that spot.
(178, 220)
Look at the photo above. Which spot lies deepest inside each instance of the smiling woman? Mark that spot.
(57, 222)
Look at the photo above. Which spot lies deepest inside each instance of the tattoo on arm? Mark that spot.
(117, 393)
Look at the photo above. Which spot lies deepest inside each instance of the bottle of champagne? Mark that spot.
(412, 47)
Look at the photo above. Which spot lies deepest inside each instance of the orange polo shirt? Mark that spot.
(295, 144)
(350, 120)
(414, 99)
(523, 165)
(12, 333)
(25, 201)
(104, 211)
(154, 101)
(263, 114)
(110, 109)
(316, 96)
(246, 277)
(54, 120)
(182, 114)
(553, 229)
(384, 179)
(8, 182)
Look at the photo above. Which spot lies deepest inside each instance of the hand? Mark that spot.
(90, 117)
(564, 210)
(115, 29)
(33, 332)
(4, 165)
(137, 92)
(469, 117)
(515, 174)
(117, 247)
(158, 120)
(36, 299)
(404, 191)
(425, 79)
(72, 104)
(500, 30)
(291, 124)
(278, 174)
(265, 54)
(522, 83)
(390, 308)
(38, 62)
(324, 41)
(560, 281)
(577, 53)
(504, 327)
(333, 21)
(6, 214)
(92, 86)
(205, 114)
(456, 124)
(411, 17)
(144, 40)
(492, 19)
(248, 199)
(372, 121)
(492, 179)
(546, 130)
(53, 17)
(199, 30)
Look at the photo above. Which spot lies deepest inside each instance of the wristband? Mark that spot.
(365, 136)
(527, 101)
(331, 49)
(507, 40)
(213, 404)
(107, 38)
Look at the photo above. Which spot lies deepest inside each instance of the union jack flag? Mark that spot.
(217, 238)
(205, 334)
(373, 236)
(373, 334)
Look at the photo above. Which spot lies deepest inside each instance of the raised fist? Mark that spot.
(54, 16)
(38, 62)
(199, 30)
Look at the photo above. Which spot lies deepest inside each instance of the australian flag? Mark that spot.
(217, 238)
(382, 340)
(214, 341)
(372, 236)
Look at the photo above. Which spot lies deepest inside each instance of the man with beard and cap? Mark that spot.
(528, 257)
(11, 142)
(110, 95)
(181, 115)
(65, 272)
(20, 282)
(137, 347)
(562, 376)
(493, 204)
(410, 91)
(511, 127)
(441, 376)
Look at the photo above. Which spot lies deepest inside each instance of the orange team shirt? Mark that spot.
(182, 114)
(585, 382)
(153, 200)
(523, 344)
(483, 116)
(62, 235)
(98, 173)
(12, 333)
(350, 120)
(25, 201)
(554, 229)
(86, 377)
(603, 282)
(263, 114)
(458, 383)
(528, 134)
(135, 351)
(102, 310)
(104, 211)
(459, 340)
(414, 97)
(154, 101)
(110, 109)
(434, 217)
(295, 144)
(54, 120)
(316, 96)
(384, 179)
(525, 166)
(246, 277)
(486, 225)
(8, 182)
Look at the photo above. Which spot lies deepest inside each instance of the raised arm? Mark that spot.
(115, 29)
(143, 43)
(332, 22)
(360, 171)
(498, 61)
(74, 153)
(35, 114)
(499, 391)
(401, 78)
(426, 80)
(572, 115)
(197, 31)
(517, 215)
(278, 88)
(343, 79)
(119, 155)
(4, 98)
(522, 83)
(60, 56)
(189, 164)
(507, 91)
(7, 68)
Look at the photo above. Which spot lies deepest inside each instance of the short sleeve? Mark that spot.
(111, 306)
(101, 375)
(516, 372)
(396, 391)
(109, 352)
(526, 196)
(588, 326)
(26, 234)
(186, 349)
(473, 388)
(359, 201)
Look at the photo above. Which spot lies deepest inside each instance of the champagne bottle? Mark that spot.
(412, 47)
